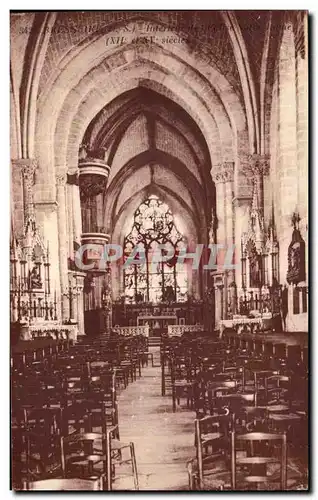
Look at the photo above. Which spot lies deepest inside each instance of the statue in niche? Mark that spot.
(254, 269)
(35, 279)
(296, 255)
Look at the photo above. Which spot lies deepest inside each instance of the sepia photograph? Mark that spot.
(159, 250)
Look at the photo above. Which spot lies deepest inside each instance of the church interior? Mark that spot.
(132, 131)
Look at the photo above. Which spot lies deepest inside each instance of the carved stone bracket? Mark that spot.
(223, 172)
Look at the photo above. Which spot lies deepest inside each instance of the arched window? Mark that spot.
(150, 281)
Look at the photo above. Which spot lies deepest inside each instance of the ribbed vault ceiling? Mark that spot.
(153, 147)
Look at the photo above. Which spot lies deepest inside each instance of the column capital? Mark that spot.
(61, 179)
(256, 164)
(223, 172)
(26, 164)
(28, 167)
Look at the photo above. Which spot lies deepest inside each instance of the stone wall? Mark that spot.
(288, 189)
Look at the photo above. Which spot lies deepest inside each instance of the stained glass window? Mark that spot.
(150, 281)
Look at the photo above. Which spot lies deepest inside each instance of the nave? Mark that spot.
(107, 419)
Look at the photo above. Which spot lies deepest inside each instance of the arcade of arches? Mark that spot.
(178, 135)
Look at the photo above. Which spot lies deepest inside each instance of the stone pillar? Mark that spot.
(47, 219)
(69, 214)
(63, 244)
(93, 177)
(241, 211)
(223, 176)
(219, 304)
(217, 176)
(77, 215)
(287, 167)
(74, 214)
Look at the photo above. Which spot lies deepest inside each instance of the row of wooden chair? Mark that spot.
(65, 415)
(250, 408)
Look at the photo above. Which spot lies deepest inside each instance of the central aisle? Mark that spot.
(164, 441)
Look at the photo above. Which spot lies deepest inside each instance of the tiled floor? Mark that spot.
(164, 441)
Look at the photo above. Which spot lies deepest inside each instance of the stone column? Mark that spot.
(93, 177)
(219, 301)
(69, 214)
(63, 245)
(218, 178)
(73, 213)
(223, 176)
(228, 175)
(77, 215)
(47, 218)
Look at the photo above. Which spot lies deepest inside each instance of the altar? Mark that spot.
(50, 329)
(243, 324)
(157, 324)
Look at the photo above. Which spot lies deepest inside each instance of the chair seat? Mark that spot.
(95, 457)
(211, 436)
(183, 383)
(277, 408)
(216, 480)
(284, 417)
(256, 460)
(257, 479)
(119, 445)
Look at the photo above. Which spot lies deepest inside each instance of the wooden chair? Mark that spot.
(86, 456)
(94, 416)
(256, 458)
(278, 389)
(182, 381)
(211, 469)
(62, 484)
(116, 453)
(103, 387)
(41, 428)
(251, 419)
